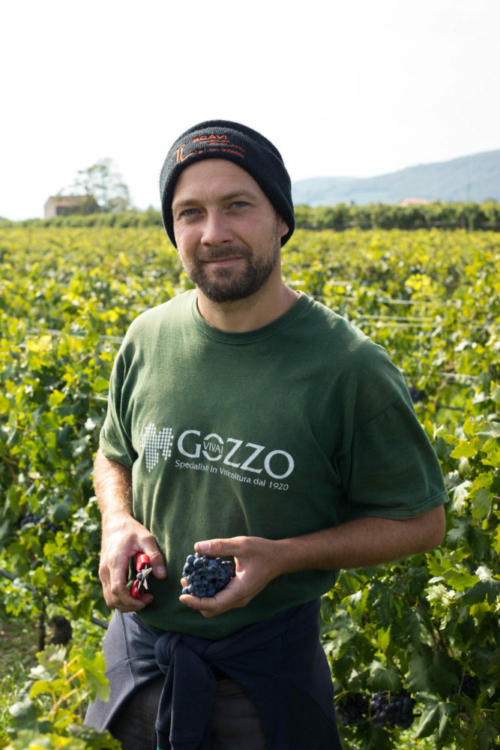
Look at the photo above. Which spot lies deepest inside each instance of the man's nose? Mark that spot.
(216, 229)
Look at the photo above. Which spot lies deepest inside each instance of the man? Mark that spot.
(245, 420)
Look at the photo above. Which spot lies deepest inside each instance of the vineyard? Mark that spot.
(424, 632)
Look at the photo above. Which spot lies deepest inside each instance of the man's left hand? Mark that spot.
(257, 564)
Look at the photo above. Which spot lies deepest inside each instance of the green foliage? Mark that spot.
(63, 311)
(49, 711)
(469, 216)
(431, 298)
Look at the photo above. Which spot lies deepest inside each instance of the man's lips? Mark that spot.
(223, 262)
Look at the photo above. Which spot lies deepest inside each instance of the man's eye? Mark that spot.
(239, 204)
(189, 212)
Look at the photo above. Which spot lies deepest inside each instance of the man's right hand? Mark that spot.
(122, 538)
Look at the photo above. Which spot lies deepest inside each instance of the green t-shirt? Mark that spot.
(281, 431)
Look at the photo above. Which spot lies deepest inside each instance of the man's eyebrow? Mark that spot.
(225, 197)
(238, 194)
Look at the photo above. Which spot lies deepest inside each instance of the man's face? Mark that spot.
(228, 234)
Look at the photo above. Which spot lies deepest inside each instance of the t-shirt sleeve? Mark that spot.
(394, 472)
(115, 439)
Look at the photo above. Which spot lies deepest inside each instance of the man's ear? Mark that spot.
(283, 227)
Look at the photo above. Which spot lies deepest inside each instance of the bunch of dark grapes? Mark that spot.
(467, 687)
(395, 710)
(63, 631)
(206, 576)
(417, 395)
(353, 709)
(32, 520)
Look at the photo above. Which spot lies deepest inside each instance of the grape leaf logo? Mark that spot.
(156, 443)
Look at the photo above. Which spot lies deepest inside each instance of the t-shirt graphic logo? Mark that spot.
(155, 443)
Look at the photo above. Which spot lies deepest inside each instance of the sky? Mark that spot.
(342, 87)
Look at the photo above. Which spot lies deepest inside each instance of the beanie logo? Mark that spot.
(213, 142)
(212, 137)
(179, 154)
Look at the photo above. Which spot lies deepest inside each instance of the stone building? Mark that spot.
(63, 205)
(415, 202)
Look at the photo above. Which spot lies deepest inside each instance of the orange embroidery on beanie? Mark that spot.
(212, 137)
(179, 154)
(215, 143)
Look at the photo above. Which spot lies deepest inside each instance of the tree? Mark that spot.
(103, 182)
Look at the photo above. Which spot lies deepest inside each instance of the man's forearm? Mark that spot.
(113, 486)
(361, 543)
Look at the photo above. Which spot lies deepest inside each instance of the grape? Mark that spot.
(51, 526)
(467, 687)
(42, 521)
(353, 709)
(63, 632)
(31, 519)
(206, 576)
(396, 709)
(417, 395)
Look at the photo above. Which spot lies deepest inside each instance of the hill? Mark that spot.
(468, 178)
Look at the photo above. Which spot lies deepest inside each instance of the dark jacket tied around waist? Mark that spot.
(279, 662)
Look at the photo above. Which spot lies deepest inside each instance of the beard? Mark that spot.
(228, 285)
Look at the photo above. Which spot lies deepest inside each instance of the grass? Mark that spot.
(19, 641)
(19, 644)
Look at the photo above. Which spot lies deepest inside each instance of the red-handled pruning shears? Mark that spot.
(140, 583)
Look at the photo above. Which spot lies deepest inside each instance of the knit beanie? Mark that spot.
(222, 139)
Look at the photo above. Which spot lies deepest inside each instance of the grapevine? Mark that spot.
(429, 624)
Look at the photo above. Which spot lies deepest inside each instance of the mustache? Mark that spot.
(227, 252)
